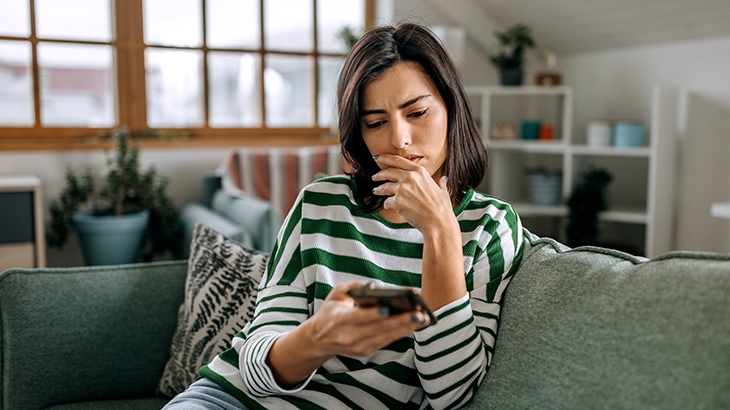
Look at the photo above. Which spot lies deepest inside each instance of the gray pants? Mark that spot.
(204, 394)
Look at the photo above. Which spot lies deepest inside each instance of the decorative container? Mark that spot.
(545, 187)
(530, 130)
(628, 134)
(599, 133)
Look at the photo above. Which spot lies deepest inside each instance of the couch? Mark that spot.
(242, 217)
(580, 328)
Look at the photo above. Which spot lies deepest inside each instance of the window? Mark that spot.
(217, 68)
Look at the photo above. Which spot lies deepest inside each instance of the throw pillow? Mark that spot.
(220, 296)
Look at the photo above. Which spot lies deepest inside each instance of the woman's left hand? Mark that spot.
(412, 192)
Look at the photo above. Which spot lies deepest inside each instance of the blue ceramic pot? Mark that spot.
(110, 239)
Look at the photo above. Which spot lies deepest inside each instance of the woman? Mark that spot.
(405, 216)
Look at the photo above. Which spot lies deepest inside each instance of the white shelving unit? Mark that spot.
(641, 195)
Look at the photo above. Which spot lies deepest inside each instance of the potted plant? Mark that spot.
(587, 199)
(510, 56)
(127, 215)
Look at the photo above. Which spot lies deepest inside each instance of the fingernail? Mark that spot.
(384, 310)
(367, 284)
(375, 157)
(446, 180)
(415, 318)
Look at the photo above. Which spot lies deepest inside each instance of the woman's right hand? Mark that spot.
(338, 328)
(342, 328)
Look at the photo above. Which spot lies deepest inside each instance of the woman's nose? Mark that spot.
(400, 134)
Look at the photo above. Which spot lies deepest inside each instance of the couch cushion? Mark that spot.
(596, 328)
(220, 296)
(71, 334)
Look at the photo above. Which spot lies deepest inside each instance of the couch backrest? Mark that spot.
(595, 328)
(92, 333)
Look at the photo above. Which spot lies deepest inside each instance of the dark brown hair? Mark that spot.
(375, 52)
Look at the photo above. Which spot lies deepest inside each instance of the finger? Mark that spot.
(390, 174)
(385, 161)
(339, 292)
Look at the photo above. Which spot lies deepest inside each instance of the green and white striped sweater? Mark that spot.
(328, 239)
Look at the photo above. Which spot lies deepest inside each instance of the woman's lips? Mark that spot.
(414, 159)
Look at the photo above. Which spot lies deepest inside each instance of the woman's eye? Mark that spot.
(419, 113)
(375, 124)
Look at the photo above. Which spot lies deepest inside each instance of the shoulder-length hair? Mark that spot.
(377, 51)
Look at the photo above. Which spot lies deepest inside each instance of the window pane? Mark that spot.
(333, 16)
(288, 25)
(16, 84)
(77, 84)
(289, 91)
(173, 23)
(235, 90)
(233, 23)
(174, 96)
(74, 19)
(329, 71)
(15, 18)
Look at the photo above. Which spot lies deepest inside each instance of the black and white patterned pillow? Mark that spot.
(220, 296)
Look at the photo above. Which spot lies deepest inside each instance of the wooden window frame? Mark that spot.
(131, 101)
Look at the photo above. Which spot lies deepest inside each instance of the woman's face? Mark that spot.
(404, 114)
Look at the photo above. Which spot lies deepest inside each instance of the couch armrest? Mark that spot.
(83, 334)
(193, 213)
(211, 183)
(254, 214)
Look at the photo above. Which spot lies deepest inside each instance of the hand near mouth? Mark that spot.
(421, 199)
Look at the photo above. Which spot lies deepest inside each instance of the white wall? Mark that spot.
(616, 84)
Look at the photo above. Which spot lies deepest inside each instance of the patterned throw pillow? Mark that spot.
(220, 295)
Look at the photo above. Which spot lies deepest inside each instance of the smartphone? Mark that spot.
(399, 300)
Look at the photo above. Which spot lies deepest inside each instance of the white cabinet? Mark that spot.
(641, 194)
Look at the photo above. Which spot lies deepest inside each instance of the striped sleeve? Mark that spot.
(452, 356)
(281, 306)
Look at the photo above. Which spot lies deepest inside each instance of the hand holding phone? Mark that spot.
(398, 300)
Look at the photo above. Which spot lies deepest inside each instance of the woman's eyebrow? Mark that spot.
(400, 107)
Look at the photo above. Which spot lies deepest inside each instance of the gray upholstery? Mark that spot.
(594, 328)
(580, 329)
(84, 334)
(134, 404)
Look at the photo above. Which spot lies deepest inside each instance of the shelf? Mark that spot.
(643, 177)
(528, 209)
(523, 90)
(627, 216)
(611, 151)
(721, 210)
(556, 146)
(636, 216)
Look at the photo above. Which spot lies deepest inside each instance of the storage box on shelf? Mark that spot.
(642, 175)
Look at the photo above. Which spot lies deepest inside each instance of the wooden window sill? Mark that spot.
(205, 139)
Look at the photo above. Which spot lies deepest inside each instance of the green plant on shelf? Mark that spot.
(585, 202)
